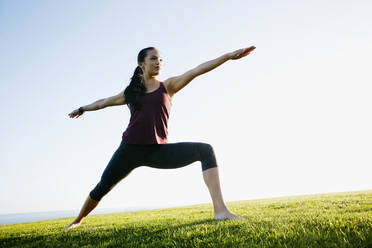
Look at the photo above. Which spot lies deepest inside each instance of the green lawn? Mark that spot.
(324, 220)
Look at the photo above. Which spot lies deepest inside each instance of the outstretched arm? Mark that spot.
(118, 99)
(175, 84)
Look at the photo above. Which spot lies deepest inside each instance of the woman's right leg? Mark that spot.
(88, 206)
(120, 166)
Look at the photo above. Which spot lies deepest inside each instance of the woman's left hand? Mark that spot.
(238, 54)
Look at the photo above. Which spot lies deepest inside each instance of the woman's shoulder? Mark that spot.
(166, 89)
(166, 83)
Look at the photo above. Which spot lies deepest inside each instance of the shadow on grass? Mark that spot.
(111, 234)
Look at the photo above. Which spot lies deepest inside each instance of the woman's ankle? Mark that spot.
(77, 220)
(220, 209)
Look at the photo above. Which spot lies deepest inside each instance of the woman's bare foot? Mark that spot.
(226, 215)
(72, 225)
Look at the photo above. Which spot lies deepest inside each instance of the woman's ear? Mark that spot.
(141, 64)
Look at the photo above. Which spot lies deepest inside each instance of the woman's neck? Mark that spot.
(151, 81)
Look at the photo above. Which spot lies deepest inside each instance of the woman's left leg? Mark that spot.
(176, 155)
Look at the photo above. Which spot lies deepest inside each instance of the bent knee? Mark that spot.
(208, 157)
(206, 149)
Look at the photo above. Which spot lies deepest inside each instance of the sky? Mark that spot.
(291, 118)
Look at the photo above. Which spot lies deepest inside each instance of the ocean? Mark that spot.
(37, 216)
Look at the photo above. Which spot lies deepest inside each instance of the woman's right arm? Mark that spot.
(118, 99)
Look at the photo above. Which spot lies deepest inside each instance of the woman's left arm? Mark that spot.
(175, 84)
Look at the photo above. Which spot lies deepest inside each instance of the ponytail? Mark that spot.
(135, 89)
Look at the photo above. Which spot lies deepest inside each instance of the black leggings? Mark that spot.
(162, 156)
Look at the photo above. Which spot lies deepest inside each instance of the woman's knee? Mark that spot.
(208, 157)
(108, 181)
(206, 149)
(101, 189)
(98, 192)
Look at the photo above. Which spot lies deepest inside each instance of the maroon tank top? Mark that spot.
(150, 124)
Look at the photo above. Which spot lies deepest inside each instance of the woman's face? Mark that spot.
(153, 63)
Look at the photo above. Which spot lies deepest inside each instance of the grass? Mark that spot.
(324, 220)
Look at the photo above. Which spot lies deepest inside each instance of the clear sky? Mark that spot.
(293, 117)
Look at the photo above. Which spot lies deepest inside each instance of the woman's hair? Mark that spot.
(136, 87)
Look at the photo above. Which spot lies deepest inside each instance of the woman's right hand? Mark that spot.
(75, 113)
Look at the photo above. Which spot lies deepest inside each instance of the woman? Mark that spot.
(144, 142)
